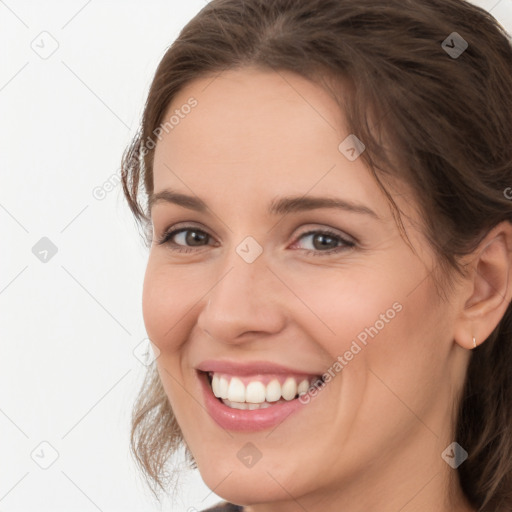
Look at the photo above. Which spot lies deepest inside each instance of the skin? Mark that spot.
(372, 439)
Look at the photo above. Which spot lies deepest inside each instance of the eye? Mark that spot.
(184, 239)
(325, 241)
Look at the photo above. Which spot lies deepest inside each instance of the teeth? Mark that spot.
(223, 387)
(255, 394)
(238, 405)
(273, 392)
(303, 387)
(215, 385)
(236, 390)
(289, 388)
(244, 405)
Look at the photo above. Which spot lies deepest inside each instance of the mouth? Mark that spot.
(250, 402)
(258, 391)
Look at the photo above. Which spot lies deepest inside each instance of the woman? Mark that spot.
(323, 185)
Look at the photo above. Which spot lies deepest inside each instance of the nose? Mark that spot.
(246, 302)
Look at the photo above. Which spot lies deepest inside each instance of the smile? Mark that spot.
(257, 392)
(252, 397)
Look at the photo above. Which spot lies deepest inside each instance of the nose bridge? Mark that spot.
(243, 298)
(243, 267)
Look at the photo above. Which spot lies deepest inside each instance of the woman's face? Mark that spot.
(262, 292)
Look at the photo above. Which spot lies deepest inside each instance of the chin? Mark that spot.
(244, 487)
(262, 483)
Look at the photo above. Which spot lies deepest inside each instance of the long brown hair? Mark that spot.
(439, 120)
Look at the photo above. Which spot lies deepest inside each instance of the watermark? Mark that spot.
(454, 455)
(249, 455)
(351, 147)
(100, 192)
(343, 360)
(454, 45)
(44, 455)
(249, 249)
(44, 250)
(175, 119)
(44, 45)
(146, 352)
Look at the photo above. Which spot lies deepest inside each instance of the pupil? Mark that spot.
(195, 238)
(322, 238)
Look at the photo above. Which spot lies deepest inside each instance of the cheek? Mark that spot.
(345, 307)
(167, 295)
(373, 318)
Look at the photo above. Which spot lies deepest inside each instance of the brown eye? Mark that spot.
(194, 237)
(185, 237)
(324, 242)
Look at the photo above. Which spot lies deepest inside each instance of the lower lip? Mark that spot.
(246, 420)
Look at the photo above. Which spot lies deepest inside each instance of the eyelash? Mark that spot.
(347, 244)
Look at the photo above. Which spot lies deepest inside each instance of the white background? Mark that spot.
(69, 327)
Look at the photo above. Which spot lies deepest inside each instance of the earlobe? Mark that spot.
(489, 282)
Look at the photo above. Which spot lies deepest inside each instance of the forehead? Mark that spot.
(251, 119)
(239, 111)
(258, 134)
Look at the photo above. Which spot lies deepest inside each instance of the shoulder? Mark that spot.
(225, 507)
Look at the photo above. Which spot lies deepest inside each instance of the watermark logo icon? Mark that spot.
(146, 352)
(454, 45)
(44, 45)
(249, 455)
(249, 250)
(454, 455)
(44, 455)
(351, 147)
(44, 250)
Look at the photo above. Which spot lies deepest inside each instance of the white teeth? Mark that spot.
(236, 390)
(219, 386)
(289, 388)
(233, 391)
(273, 391)
(255, 392)
(239, 405)
(223, 387)
(244, 405)
(303, 387)
(215, 385)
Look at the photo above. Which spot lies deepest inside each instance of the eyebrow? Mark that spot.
(278, 206)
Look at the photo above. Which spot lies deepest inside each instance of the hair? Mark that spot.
(447, 122)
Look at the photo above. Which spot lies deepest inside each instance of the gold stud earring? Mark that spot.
(474, 342)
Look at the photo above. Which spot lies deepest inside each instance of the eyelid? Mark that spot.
(325, 229)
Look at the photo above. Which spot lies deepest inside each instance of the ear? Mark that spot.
(487, 291)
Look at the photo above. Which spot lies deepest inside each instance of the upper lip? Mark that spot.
(249, 368)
